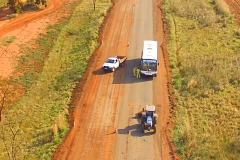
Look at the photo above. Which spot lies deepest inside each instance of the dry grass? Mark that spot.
(222, 7)
(62, 122)
(207, 47)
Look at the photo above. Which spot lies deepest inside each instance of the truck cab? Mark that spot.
(114, 62)
(111, 64)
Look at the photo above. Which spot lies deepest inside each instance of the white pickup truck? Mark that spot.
(114, 62)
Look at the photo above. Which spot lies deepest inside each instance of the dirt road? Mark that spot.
(110, 100)
(105, 102)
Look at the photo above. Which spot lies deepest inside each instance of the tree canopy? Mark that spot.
(16, 5)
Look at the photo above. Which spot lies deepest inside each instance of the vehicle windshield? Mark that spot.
(147, 65)
(110, 61)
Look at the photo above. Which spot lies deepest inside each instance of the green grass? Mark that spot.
(7, 40)
(49, 72)
(204, 53)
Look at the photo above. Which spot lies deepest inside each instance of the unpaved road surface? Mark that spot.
(109, 101)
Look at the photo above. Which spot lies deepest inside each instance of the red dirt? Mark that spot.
(23, 20)
(234, 6)
(26, 27)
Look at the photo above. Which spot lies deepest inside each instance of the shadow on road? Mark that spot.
(100, 71)
(127, 77)
(132, 128)
(124, 75)
(135, 130)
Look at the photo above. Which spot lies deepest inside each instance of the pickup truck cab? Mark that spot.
(114, 62)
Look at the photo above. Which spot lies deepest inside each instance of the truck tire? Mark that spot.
(122, 64)
(143, 128)
(154, 129)
(143, 120)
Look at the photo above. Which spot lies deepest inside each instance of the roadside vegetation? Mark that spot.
(204, 50)
(21, 6)
(7, 40)
(17, 5)
(33, 125)
(2, 2)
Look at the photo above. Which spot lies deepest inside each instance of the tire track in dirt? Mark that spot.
(53, 5)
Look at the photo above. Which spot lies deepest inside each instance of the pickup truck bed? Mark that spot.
(122, 60)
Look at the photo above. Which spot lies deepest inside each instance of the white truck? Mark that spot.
(114, 62)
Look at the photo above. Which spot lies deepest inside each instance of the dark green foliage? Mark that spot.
(15, 5)
(43, 2)
(18, 6)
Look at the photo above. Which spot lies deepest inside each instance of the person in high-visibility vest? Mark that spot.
(135, 71)
(138, 73)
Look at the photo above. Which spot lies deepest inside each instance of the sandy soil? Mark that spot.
(24, 28)
(103, 122)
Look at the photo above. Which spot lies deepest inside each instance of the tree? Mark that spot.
(41, 1)
(10, 92)
(16, 5)
(12, 135)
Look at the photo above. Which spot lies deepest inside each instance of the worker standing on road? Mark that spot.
(138, 73)
(135, 71)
